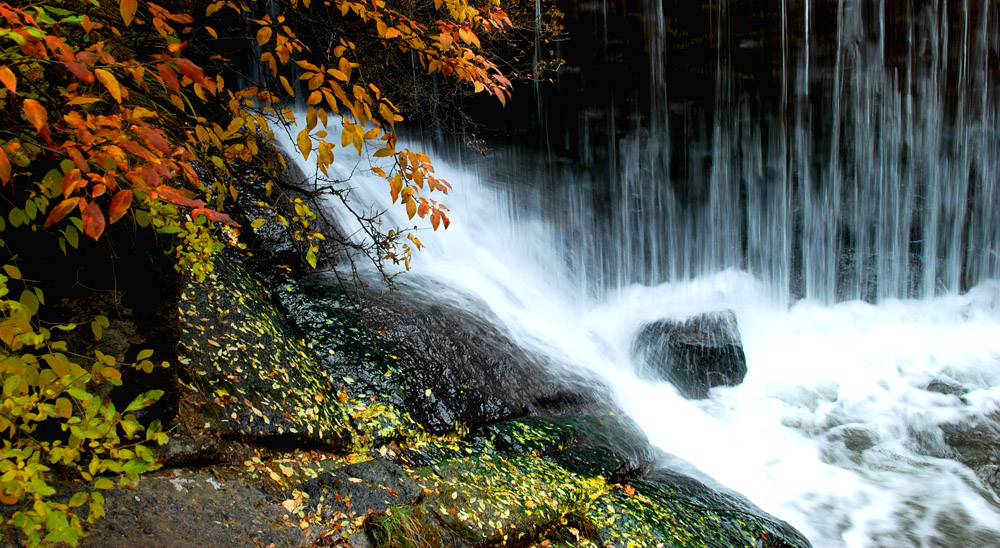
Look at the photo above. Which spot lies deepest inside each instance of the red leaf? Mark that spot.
(154, 138)
(88, 58)
(77, 157)
(169, 76)
(80, 71)
(93, 221)
(190, 70)
(119, 205)
(215, 216)
(61, 211)
(175, 196)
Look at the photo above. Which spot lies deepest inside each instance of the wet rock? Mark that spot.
(596, 445)
(695, 355)
(357, 489)
(262, 382)
(192, 511)
(666, 507)
(975, 442)
(443, 364)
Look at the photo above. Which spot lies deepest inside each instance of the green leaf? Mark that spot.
(311, 258)
(143, 354)
(29, 301)
(79, 499)
(257, 223)
(144, 400)
(103, 483)
(72, 236)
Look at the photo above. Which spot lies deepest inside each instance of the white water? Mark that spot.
(817, 373)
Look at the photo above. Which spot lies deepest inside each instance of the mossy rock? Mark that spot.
(670, 509)
(490, 498)
(590, 445)
(260, 379)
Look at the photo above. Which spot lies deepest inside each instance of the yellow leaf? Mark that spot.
(8, 78)
(109, 82)
(287, 86)
(305, 143)
(127, 8)
(310, 118)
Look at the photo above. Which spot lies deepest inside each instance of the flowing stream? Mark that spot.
(848, 211)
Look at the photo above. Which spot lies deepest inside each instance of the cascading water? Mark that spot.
(852, 222)
(836, 150)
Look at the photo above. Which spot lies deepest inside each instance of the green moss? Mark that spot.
(405, 527)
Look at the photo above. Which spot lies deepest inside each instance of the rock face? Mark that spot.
(213, 513)
(441, 364)
(695, 355)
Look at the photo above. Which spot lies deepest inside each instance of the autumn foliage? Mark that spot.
(119, 111)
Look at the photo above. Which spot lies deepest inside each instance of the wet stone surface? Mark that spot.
(695, 354)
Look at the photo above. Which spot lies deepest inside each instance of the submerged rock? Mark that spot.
(695, 355)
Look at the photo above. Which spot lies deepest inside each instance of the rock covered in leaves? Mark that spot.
(595, 445)
(263, 381)
(695, 355)
(477, 495)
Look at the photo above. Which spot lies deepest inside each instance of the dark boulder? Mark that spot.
(695, 355)
(442, 364)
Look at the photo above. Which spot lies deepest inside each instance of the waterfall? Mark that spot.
(829, 171)
(857, 159)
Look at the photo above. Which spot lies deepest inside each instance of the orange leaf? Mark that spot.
(5, 167)
(71, 181)
(435, 219)
(128, 8)
(60, 211)
(93, 221)
(110, 82)
(8, 78)
(422, 210)
(37, 117)
(263, 35)
(119, 205)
